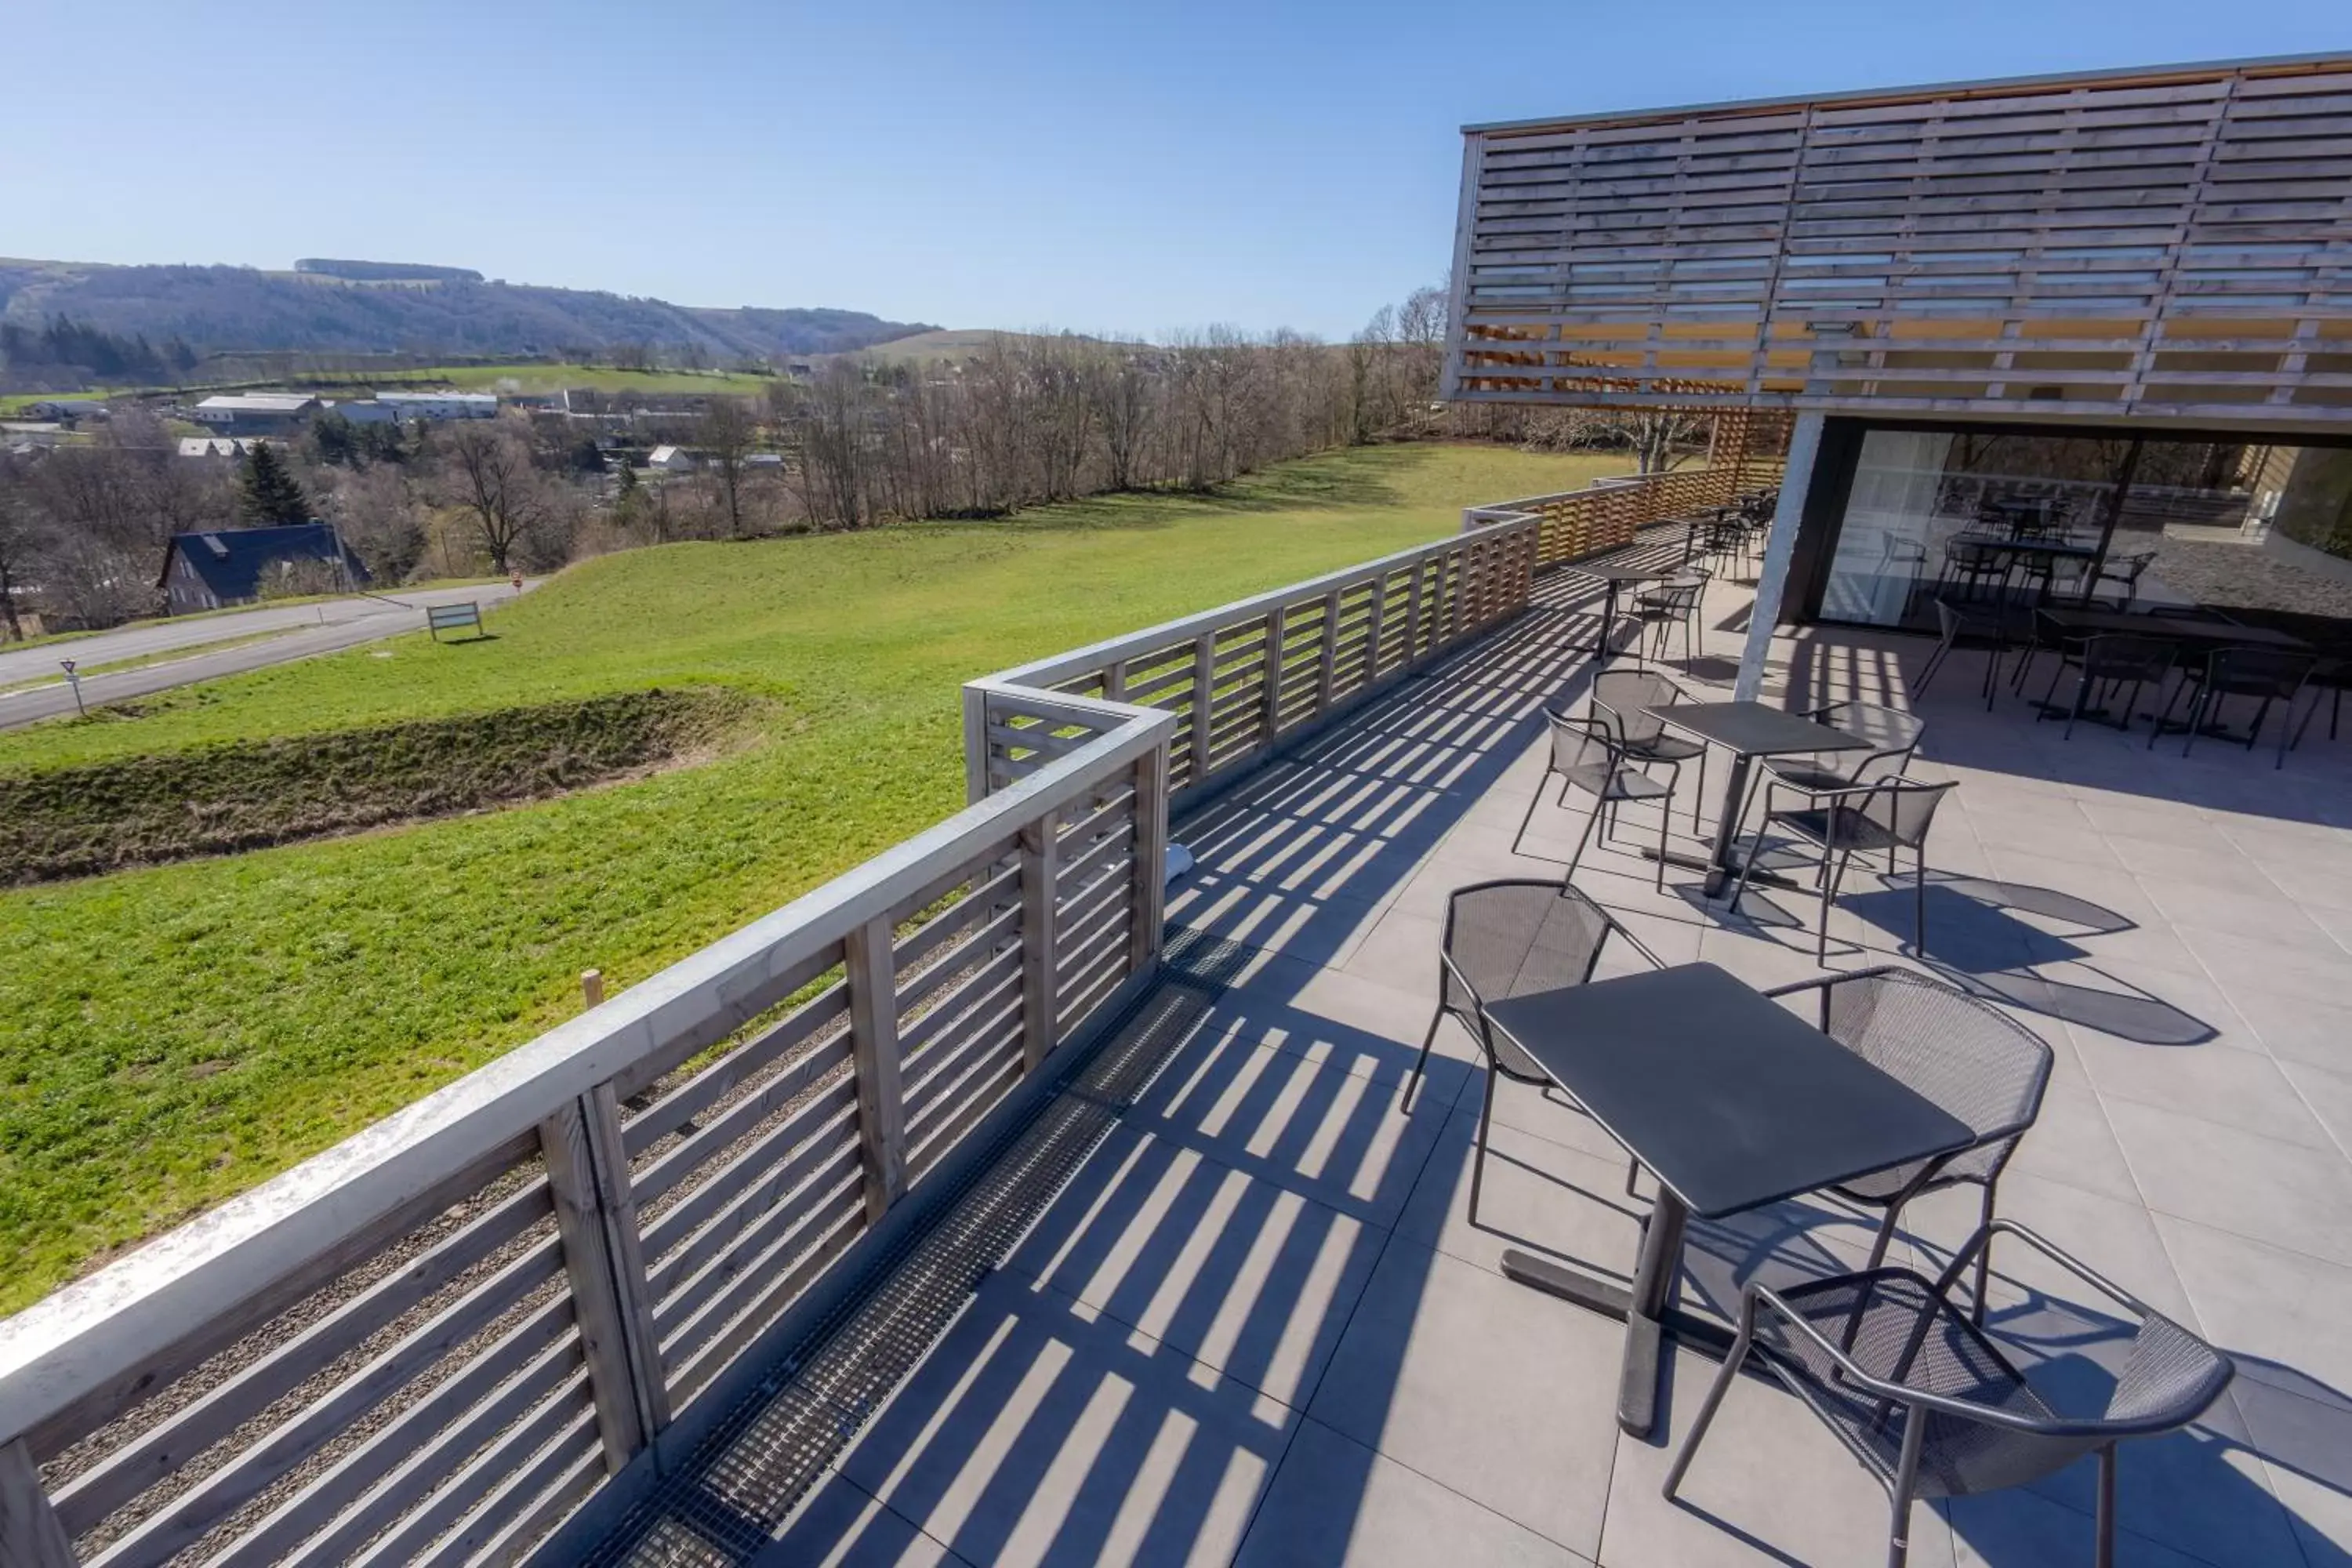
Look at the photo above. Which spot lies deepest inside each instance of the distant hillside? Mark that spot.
(229, 310)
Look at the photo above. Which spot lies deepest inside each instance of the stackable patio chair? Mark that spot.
(1887, 816)
(2113, 661)
(2267, 675)
(1587, 756)
(1894, 735)
(1669, 605)
(1970, 564)
(1996, 624)
(1967, 1057)
(2124, 571)
(1508, 939)
(1625, 700)
(1927, 1401)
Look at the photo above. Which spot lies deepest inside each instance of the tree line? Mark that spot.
(1028, 419)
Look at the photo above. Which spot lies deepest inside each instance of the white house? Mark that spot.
(213, 445)
(677, 460)
(255, 413)
(440, 404)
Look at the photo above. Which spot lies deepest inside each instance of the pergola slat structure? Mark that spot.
(2171, 245)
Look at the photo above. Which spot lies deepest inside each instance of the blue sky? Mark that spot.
(1097, 166)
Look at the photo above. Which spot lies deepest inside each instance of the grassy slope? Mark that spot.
(168, 1036)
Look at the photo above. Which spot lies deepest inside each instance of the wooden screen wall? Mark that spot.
(2174, 245)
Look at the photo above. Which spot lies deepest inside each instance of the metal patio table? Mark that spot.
(1748, 730)
(2073, 623)
(1729, 1100)
(1612, 574)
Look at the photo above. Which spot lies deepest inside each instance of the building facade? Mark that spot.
(2114, 310)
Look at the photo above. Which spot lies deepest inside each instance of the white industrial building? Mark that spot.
(440, 404)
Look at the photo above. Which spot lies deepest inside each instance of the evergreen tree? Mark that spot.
(267, 491)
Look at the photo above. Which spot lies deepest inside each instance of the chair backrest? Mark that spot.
(2259, 671)
(1509, 938)
(1905, 808)
(1892, 734)
(1968, 1057)
(1622, 699)
(2127, 568)
(1673, 597)
(2124, 656)
(1582, 745)
(1948, 624)
(1975, 554)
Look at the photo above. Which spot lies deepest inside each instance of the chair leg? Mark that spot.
(1584, 838)
(1699, 794)
(1534, 800)
(1885, 1239)
(2104, 1552)
(1478, 1160)
(1829, 902)
(1984, 1258)
(1746, 866)
(1665, 821)
(1919, 899)
(1427, 1040)
(2164, 714)
(1715, 1393)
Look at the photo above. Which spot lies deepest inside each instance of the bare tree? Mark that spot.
(725, 437)
(487, 471)
(19, 523)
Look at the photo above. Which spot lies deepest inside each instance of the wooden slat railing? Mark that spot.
(1608, 513)
(1248, 676)
(433, 1341)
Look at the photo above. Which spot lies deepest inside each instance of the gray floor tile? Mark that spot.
(2304, 1441)
(2329, 1095)
(1769, 1485)
(1311, 1126)
(2237, 1087)
(2156, 864)
(1336, 1502)
(2290, 1197)
(2072, 1142)
(1240, 1274)
(1537, 1195)
(1040, 1431)
(2281, 1314)
(842, 1526)
(1492, 1390)
(2010, 1528)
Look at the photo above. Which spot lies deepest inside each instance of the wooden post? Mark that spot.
(1204, 701)
(616, 1203)
(592, 988)
(975, 745)
(1150, 909)
(873, 978)
(1372, 628)
(1275, 618)
(1041, 871)
(31, 1535)
(595, 1297)
(1329, 661)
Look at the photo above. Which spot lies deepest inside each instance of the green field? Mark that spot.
(169, 1035)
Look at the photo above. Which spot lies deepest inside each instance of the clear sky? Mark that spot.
(1100, 165)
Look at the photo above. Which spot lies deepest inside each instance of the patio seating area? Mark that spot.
(1258, 1323)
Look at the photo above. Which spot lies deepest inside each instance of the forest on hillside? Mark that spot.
(216, 309)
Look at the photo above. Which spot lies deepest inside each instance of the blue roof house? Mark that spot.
(237, 565)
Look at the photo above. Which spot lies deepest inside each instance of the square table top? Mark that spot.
(1620, 571)
(1727, 1097)
(2088, 623)
(1755, 730)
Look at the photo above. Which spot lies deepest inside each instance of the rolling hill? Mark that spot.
(452, 313)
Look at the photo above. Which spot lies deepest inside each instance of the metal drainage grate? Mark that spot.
(730, 1499)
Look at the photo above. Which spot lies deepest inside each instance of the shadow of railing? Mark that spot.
(1127, 1382)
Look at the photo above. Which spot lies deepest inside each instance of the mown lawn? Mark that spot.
(168, 1036)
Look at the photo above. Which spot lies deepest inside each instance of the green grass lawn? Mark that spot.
(168, 1036)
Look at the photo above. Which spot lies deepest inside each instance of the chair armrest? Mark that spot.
(2072, 1265)
(1635, 942)
(1903, 1393)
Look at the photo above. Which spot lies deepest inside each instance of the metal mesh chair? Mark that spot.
(1508, 939)
(1996, 625)
(1890, 815)
(2266, 673)
(1893, 736)
(2126, 573)
(1970, 564)
(1927, 1401)
(1665, 607)
(2113, 661)
(1968, 1057)
(1625, 700)
(1587, 755)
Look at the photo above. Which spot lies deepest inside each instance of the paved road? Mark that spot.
(323, 628)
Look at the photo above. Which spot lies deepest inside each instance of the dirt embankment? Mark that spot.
(106, 816)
